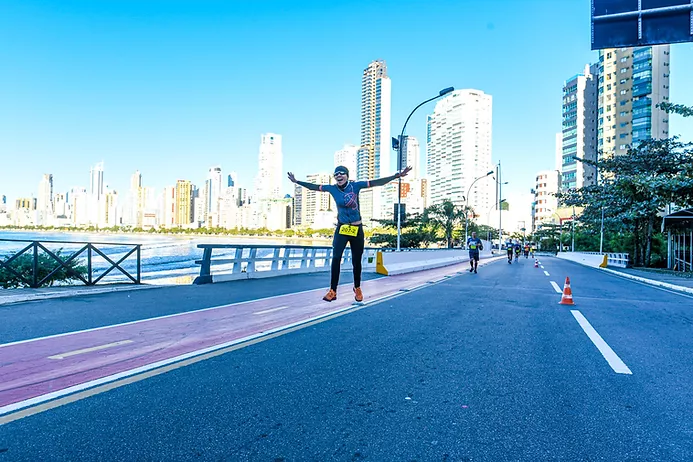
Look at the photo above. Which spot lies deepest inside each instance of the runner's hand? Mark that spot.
(292, 178)
(404, 172)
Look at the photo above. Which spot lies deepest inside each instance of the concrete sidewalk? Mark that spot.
(657, 278)
(8, 296)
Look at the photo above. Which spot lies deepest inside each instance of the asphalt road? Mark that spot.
(485, 367)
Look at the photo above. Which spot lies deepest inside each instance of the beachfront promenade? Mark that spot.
(434, 365)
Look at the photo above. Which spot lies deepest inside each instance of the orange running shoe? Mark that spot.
(330, 296)
(358, 295)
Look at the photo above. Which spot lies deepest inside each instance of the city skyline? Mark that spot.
(170, 112)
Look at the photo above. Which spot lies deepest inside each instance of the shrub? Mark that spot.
(24, 266)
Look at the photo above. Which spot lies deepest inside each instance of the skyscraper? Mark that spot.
(268, 184)
(297, 209)
(347, 158)
(96, 195)
(579, 136)
(212, 195)
(545, 200)
(373, 159)
(44, 200)
(411, 156)
(184, 203)
(317, 208)
(459, 150)
(632, 81)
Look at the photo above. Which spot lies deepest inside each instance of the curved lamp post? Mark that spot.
(466, 206)
(441, 93)
(488, 218)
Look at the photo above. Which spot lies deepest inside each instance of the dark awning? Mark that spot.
(680, 219)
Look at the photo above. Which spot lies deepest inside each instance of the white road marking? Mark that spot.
(542, 266)
(556, 288)
(272, 310)
(547, 273)
(89, 350)
(612, 358)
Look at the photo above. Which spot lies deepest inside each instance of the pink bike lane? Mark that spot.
(39, 370)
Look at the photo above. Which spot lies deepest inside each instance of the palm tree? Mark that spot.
(445, 216)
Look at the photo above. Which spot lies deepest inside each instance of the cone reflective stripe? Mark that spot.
(567, 297)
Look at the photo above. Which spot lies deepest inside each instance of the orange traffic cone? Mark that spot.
(536, 263)
(567, 297)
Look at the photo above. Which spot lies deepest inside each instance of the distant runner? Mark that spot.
(474, 245)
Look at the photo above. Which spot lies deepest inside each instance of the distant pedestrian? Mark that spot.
(474, 245)
(349, 225)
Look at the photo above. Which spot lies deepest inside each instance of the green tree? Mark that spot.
(635, 188)
(415, 233)
(445, 217)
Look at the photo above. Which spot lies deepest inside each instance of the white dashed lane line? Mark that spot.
(547, 273)
(556, 288)
(611, 357)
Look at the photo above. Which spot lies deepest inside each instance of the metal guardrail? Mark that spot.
(271, 260)
(90, 248)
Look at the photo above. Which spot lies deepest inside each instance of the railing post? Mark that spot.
(287, 258)
(275, 258)
(251, 260)
(237, 265)
(205, 276)
(139, 263)
(89, 264)
(34, 267)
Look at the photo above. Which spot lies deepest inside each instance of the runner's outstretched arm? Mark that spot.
(305, 184)
(385, 180)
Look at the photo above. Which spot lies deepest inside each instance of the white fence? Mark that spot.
(619, 260)
(260, 261)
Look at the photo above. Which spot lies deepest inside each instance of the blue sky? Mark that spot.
(171, 88)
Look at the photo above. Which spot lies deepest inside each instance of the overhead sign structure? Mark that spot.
(630, 23)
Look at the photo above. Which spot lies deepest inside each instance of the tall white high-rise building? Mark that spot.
(78, 203)
(212, 195)
(96, 195)
(373, 160)
(134, 209)
(373, 157)
(347, 158)
(317, 208)
(579, 136)
(411, 154)
(459, 150)
(268, 183)
(547, 183)
(44, 200)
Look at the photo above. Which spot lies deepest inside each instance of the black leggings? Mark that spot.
(357, 243)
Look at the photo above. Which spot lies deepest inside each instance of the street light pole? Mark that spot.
(441, 93)
(466, 206)
(500, 208)
(572, 231)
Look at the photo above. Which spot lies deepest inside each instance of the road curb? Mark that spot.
(652, 282)
(8, 299)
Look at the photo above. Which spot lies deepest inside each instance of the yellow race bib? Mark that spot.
(348, 230)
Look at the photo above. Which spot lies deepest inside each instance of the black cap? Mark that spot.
(341, 169)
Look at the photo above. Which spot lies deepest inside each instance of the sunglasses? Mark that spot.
(339, 174)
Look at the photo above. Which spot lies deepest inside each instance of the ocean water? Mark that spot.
(164, 258)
